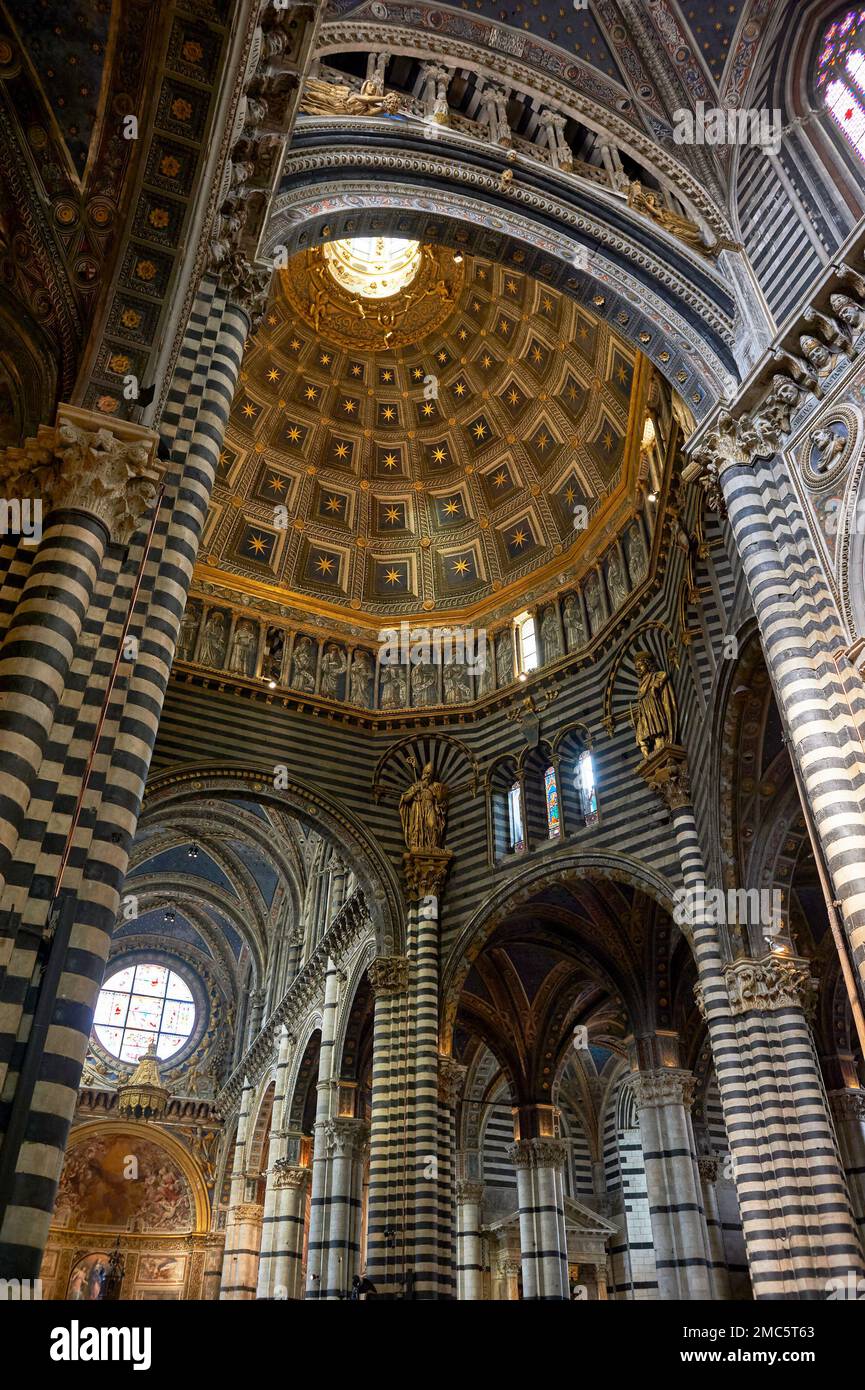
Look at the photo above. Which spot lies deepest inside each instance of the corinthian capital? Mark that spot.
(775, 982)
(666, 772)
(848, 1104)
(538, 1153)
(388, 975)
(345, 1135)
(664, 1086)
(85, 463)
(451, 1077)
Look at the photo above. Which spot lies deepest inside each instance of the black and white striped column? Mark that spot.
(795, 1214)
(276, 1152)
(290, 1181)
(316, 1269)
(387, 1208)
(469, 1199)
(540, 1166)
(664, 1096)
(235, 1264)
(452, 1076)
(346, 1144)
(200, 400)
(848, 1111)
(709, 1169)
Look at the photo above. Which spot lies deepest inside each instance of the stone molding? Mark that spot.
(664, 1086)
(87, 463)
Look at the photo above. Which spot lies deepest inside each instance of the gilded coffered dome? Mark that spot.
(425, 449)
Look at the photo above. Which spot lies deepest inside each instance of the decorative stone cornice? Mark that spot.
(664, 1086)
(468, 1191)
(451, 1079)
(848, 1104)
(425, 872)
(388, 975)
(709, 1166)
(775, 982)
(85, 464)
(345, 1135)
(666, 772)
(289, 1175)
(538, 1153)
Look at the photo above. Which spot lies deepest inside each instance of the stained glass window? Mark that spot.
(586, 787)
(140, 1004)
(515, 819)
(841, 76)
(551, 791)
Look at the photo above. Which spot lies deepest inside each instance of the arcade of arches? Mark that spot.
(432, 603)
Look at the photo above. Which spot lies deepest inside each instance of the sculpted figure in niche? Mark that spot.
(333, 668)
(214, 639)
(423, 684)
(188, 632)
(550, 636)
(458, 684)
(616, 581)
(393, 687)
(303, 666)
(638, 559)
(331, 99)
(423, 811)
(485, 680)
(575, 627)
(360, 679)
(275, 643)
(505, 657)
(243, 649)
(595, 604)
(817, 354)
(655, 718)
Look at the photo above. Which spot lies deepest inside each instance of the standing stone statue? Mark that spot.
(550, 636)
(243, 649)
(303, 666)
(638, 559)
(423, 811)
(214, 639)
(360, 679)
(505, 657)
(575, 626)
(393, 687)
(616, 582)
(595, 604)
(655, 718)
(423, 684)
(333, 667)
(188, 632)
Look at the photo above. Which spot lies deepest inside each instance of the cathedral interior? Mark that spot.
(432, 680)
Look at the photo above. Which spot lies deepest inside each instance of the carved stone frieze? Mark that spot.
(388, 975)
(775, 982)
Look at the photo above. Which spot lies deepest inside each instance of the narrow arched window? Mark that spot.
(516, 834)
(551, 792)
(841, 75)
(586, 787)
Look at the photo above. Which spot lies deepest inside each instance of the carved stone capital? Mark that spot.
(709, 1167)
(664, 1086)
(452, 1077)
(538, 1153)
(245, 1214)
(468, 1191)
(288, 1174)
(425, 872)
(86, 463)
(345, 1135)
(775, 982)
(848, 1104)
(248, 286)
(666, 772)
(388, 975)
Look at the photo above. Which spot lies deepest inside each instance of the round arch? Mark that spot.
(183, 786)
(162, 1139)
